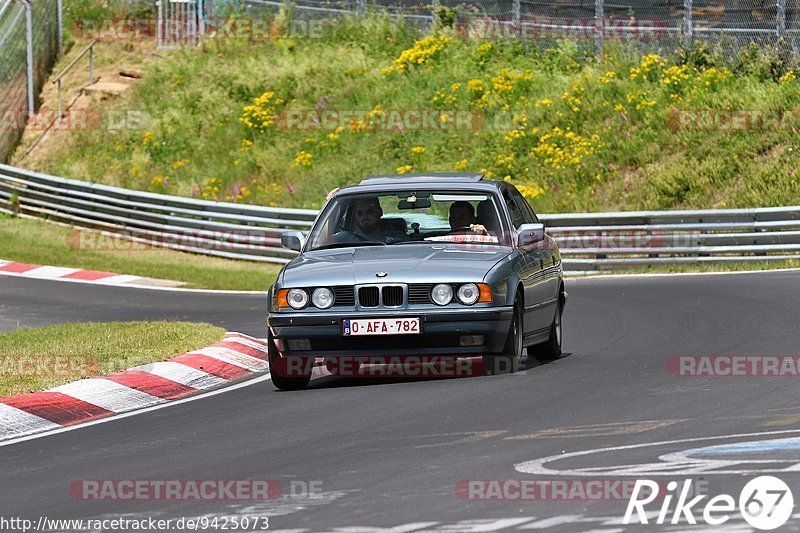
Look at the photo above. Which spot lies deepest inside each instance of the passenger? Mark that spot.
(487, 216)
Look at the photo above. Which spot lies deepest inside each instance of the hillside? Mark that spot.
(283, 120)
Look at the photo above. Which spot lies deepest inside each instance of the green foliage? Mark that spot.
(446, 16)
(761, 62)
(573, 132)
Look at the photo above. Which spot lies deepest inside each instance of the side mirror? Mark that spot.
(293, 240)
(530, 234)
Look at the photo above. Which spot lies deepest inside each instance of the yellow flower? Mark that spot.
(261, 114)
(303, 159)
(178, 164)
(461, 165)
(417, 149)
(404, 169)
(423, 51)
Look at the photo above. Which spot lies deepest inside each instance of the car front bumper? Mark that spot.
(442, 333)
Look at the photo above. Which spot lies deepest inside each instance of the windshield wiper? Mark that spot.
(348, 245)
(409, 242)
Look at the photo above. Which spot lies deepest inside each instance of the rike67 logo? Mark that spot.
(765, 503)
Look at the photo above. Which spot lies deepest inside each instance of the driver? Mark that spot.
(462, 218)
(369, 226)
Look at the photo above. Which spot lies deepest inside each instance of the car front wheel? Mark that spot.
(511, 358)
(278, 370)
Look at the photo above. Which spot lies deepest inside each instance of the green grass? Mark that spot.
(43, 243)
(574, 133)
(708, 267)
(38, 358)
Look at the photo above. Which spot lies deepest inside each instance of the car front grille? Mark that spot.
(344, 296)
(368, 297)
(392, 296)
(419, 293)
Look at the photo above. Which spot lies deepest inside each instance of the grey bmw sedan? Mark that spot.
(441, 265)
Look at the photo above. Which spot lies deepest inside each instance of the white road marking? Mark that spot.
(239, 359)
(183, 374)
(107, 394)
(106, 420)
(46, 272)
(483, 525)
(537, 466)
(115, 280)
(15, 421)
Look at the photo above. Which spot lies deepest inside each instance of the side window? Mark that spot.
(527, 211)
(517, 218)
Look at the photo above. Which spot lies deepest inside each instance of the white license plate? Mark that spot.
(381, 326)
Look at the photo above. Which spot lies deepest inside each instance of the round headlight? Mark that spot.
(322, 298)
(468, 293)
(298, 298)
(442, 294)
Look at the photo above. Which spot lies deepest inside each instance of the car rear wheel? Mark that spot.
(511, 358)
(550, 350)
(278, 370)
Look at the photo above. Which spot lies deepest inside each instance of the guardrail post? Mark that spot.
(598, 22)
(60, 8)
(516, 13)
(781, 29)
(360, 7)
(91, 64)
(29, 45)
(688, 28)
(60, 102)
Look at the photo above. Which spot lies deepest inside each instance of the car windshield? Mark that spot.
(409, 217)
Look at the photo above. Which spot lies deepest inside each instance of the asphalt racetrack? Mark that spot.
(361, 455)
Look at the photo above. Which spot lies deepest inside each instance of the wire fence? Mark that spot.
(656, 24)
(30, 42)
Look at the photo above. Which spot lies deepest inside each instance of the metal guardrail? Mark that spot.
(588, 241)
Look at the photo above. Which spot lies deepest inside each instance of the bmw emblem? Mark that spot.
(381, 274)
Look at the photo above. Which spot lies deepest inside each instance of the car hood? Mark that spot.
(410, 263)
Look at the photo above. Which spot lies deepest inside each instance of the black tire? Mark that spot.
(511, 359)
(550, 350)
(277, 371)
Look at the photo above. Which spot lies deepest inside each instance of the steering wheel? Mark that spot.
(460, 228)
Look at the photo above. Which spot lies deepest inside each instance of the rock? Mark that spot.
(131, 73)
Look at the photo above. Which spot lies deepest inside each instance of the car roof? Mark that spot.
(445, 177)
(434, 180)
